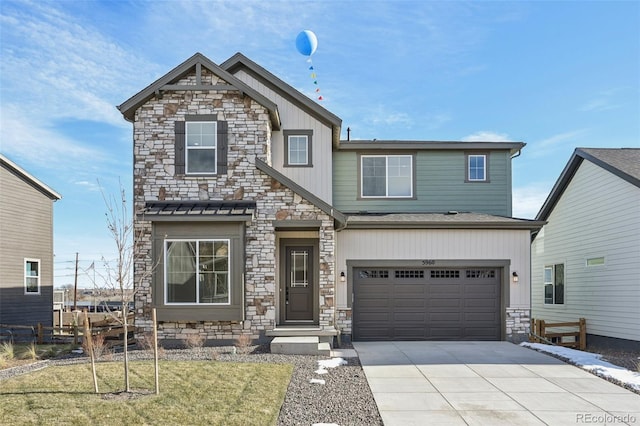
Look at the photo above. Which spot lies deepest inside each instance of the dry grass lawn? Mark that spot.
(191, 392)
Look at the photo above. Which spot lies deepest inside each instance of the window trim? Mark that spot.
(187, 148)
(467, 175)
(301, 132)
(197, 243)
(38, 277)
(553, 284)
(412, 177)
(595, 261)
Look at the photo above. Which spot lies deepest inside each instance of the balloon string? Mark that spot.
(314, 77)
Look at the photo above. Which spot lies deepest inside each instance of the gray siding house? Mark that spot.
(253, 217)
(26, 247)
(586, 259)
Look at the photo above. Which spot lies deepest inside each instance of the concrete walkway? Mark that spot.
(487, 383)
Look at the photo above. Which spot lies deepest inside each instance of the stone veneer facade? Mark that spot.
(518, 324)
(249, 137)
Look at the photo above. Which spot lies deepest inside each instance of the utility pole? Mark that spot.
(75, 287)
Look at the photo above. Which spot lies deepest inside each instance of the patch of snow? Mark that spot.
(317, 381)
(591, 362)
(77, 351)
(331, 363)
(321, 371)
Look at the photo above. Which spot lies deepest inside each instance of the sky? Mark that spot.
(555, 75)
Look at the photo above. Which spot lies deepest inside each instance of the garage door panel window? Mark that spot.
(444, 273)
(480, 273)
(374, 274)
(409, 274)
(554, 284)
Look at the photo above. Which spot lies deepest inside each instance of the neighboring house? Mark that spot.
(254, 217)
(26, 247)
(586, 259)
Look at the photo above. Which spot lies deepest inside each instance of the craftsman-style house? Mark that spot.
(253, 217)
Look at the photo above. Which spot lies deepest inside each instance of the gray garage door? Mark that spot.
(426, 304)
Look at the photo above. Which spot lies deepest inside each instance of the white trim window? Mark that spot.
(197, 272)
(477, 167)
(386, 176)
(298, 150)
(595, 261)
(554, 284)
(201, 147)
(32, 274)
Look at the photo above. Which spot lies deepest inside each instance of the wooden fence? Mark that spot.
(540, 333)
(110, 328)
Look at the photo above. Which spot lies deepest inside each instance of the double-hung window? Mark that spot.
(32, 276)
(554, 284)
(197, 272)
(477, 168)
(297, 147)
(389, 176)
(201, 147)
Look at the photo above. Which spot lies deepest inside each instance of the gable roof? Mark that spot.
(622, 162)
(27, 177)
(196, 62)
(240, 62)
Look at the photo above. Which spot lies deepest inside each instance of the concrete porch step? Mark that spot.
(325, 335)
(300, 345)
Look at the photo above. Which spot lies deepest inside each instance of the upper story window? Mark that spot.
(554, 284)
(197, 272)
(477, 170)
(389, 176)
(297, 148)
(201, 145)
(32, 276)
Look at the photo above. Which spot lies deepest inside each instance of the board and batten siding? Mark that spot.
(440, 185)
(438, 244)
(316, 179)
(26, 227)
(598, 215)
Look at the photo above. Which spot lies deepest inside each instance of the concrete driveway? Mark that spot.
(487, 383)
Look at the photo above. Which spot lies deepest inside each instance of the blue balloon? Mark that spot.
(306, 42)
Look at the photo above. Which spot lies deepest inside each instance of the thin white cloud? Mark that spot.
(553, 143)
(604, 100)
(90, 186)
(60, 68)
(486, 136)
(42, 146)
(528, 199)
(382, 116)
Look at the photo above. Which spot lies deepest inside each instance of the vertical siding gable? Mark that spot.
(316, 179)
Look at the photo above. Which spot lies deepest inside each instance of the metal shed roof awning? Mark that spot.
(236, 211)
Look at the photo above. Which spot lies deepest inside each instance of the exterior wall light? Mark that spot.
(342, 277)
(515, 277)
